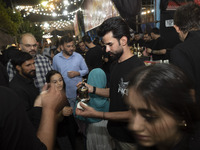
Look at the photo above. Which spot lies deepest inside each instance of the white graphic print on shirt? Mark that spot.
(123, 87)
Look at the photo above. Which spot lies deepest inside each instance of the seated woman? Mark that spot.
(164, 114)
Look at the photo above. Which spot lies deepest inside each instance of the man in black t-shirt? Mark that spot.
(186, 55)
(93, 57)
(23, 83)
(17, 132)
(138, 41)
(158, 49)
(115, 35)
(148, 41)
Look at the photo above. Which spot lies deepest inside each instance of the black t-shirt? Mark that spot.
(4, 81)
(186, 56)
(159, 44)
(118, 89)
(93, 58)
(25, 89)
(16, 130)
(140, 42)
(149, 44)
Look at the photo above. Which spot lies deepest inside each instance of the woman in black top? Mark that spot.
(164, 114)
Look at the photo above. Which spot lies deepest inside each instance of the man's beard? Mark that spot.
(117, 55)
(67, 53)
(32, 53)
(30, 75)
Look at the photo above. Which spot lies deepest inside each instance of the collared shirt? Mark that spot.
(42, 66)
(74, 63)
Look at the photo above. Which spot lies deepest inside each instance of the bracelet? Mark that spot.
(103, 115)
(94, 90)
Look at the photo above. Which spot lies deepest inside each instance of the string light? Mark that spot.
(145, 12)
(54, 8)
(54, 24)
(48, 6)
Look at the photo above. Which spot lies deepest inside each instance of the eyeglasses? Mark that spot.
(29, 45)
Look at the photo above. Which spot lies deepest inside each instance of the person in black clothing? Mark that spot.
(116, 35)
(148, 41)
(96, 41)
(81, 48)
(8, 54)
(93, 57)
(67, 127)
(186, 55)
(4, 80)
(164, 113)
(138, 40)
(107, 61)
(23, 83)
(158, 50)
(17, 132)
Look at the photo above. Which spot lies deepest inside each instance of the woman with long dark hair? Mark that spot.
(164, 114)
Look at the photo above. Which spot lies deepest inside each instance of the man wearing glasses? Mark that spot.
(29, 44)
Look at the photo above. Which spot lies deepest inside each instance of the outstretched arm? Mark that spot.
(157, 52)
(52, 103)
(88, 111)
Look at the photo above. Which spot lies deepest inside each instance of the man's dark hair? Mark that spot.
(87, 39)
(187, 17)
(155, 31)
(117, 26)
(20, 58)
(66, 39)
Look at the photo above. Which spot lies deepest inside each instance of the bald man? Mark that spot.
(29, 44)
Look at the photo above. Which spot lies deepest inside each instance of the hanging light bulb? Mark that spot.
(54, 14)
(44, 4)
(65, 12)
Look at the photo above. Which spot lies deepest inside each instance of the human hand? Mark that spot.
(144, 53)
(148, 50)
(86, 111)
(67, 111)
(90, 88)
(38, 100)
(53, 99)
(72, 74)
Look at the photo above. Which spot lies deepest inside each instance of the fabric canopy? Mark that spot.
(128, 9)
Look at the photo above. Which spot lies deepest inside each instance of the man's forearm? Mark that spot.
(105, 92)
(115, 116)
(159, 52)
(47, 128)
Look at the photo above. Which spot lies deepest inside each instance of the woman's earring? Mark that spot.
(182, 124)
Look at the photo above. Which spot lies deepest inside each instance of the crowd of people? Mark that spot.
(131, 106)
